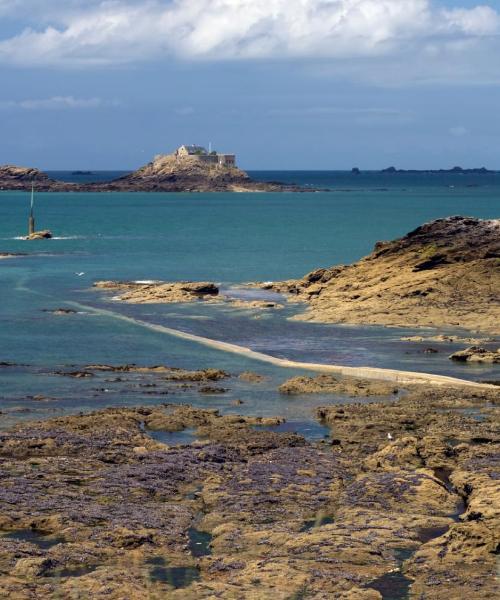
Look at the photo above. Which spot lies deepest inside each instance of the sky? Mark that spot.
(284, 84)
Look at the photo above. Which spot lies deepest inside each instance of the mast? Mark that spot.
(31, 220)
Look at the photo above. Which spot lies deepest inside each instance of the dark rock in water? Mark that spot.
(208, 389)
(75, 374)
(60, 311)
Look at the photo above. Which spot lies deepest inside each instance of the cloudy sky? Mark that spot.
(286, 84)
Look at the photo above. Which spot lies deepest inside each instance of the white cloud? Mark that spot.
(481, 20)
(54, 103)
(106, 32)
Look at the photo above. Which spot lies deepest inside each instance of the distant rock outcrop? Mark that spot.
(446, 272)
(454, 170)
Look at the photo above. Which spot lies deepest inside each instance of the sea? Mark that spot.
(227, 238)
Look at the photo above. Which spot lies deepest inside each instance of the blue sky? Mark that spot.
(286, 84)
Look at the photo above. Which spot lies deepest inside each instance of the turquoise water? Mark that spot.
(227, 238)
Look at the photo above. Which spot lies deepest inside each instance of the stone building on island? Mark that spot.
(199, 153)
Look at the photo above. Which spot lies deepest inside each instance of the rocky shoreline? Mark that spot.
(445, 273)
(401, 493)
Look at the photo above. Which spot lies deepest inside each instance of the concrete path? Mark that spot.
(375, 373)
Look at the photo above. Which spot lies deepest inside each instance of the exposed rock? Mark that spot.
(166, 372)
(476, 354)
(4, 255)
(44, 234)
(161, 292)
(327, 384)
(444, 273)
(13, 177)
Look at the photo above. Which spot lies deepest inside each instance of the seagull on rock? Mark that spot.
(389, 436)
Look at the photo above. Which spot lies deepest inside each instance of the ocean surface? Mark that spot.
(227, 238)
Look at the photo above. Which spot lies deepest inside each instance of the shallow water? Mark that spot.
(394, 585)
(199, 542)
(227, 238)
(39, 539)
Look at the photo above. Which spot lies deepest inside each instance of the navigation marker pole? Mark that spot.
(31, 220)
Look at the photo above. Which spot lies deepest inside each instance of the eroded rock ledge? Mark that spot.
(444, 273)
(93, 506)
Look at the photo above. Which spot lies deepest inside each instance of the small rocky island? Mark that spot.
(188, 169)
(444, 273)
